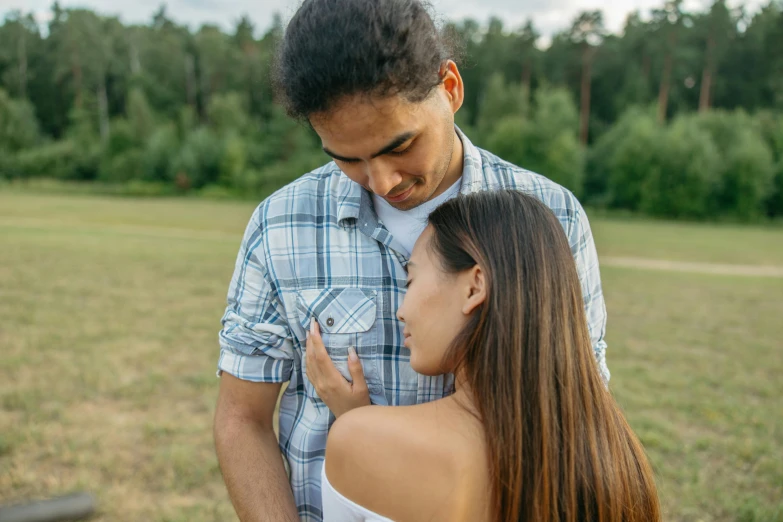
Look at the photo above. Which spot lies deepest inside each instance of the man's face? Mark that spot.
(398, 150)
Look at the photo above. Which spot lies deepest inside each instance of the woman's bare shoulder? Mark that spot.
(405, 462)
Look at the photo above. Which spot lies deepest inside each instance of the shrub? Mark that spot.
(198, 160)
(682, 185)
(160, 151)
(621, 160)
(770, 126)
(747, 177)
(547, 143)
(63, 160)
(18, 125)
(123, 167)
(746, 167)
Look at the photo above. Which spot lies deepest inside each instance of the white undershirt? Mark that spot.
(337, 508)
(407, 225)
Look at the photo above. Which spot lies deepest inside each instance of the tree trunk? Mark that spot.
(76, 70)
(527, 74)
(584, 109)
(254, 94)
(204, 89)
(135, 64)
(706, 78)
(704, 96)
(22, 51)
(663, 94)
(190, 80)
(103, 108)
(666, 79)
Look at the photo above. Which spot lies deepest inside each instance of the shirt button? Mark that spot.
(330, 322)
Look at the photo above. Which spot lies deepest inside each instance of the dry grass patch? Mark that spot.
(109, 312)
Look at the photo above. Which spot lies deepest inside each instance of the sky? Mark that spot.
(549, 16)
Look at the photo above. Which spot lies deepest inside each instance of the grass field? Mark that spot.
(109, 311)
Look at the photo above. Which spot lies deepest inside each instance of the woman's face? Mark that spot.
(436, 307)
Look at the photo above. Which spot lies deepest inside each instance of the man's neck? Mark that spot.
(454, 171)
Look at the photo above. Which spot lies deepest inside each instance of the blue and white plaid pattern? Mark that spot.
(316, 249)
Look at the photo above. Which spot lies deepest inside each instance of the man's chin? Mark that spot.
(408, 204)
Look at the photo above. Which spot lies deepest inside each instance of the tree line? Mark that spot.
(679, 115)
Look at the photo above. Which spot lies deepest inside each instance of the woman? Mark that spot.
(531, 433)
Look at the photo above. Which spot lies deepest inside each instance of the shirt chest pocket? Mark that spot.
(347, 318)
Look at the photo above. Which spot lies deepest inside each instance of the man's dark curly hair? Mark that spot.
(337, 48)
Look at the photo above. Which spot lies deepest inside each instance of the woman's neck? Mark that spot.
(463, 394)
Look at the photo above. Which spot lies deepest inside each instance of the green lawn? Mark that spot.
(109, 311)
(703, 243)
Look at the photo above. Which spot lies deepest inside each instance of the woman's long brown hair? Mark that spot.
(559, 448)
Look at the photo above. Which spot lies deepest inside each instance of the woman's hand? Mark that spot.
(338, 394)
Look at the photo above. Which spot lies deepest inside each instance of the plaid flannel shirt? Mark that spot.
(315, 248)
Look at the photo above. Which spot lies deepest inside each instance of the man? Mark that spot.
(379, 86)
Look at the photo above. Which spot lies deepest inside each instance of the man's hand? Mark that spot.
(248, 451)
(336, 392)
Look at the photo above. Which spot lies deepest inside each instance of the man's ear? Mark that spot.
(451, 81)
(475, 290)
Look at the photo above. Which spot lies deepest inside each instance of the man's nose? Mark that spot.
(382, 179)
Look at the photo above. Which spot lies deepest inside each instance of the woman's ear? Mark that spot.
(476, 289)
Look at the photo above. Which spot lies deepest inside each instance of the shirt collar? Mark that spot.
(349, 200)
(473, 179)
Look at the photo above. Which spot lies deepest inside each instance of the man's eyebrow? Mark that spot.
(396, 142)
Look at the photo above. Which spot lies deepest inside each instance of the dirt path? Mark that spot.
(699, 268)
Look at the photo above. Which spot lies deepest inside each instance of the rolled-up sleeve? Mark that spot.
(580, 238)
(255, 341)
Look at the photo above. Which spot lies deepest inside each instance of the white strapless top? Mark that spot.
(337, 508)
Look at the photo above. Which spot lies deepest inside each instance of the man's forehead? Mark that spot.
(361, 116)
(357, 137)
(366, 141)
(371, 104)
